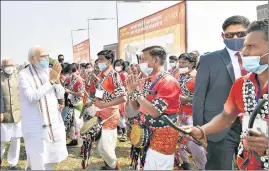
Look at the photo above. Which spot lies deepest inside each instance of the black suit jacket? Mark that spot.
(215, 77)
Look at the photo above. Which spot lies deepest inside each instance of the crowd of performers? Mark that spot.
(153, 104)
(146, 105)
(102, 91)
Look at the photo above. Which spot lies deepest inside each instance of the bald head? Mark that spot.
(35, 54)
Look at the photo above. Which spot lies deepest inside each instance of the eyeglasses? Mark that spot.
(230, 35)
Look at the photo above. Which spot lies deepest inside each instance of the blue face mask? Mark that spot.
(234, 44)
(252, 64)
(102, 66)
(144, 68)
(44, 63)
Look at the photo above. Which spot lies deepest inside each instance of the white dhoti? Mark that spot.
(157, 161)
(11, 132)
(106, 146)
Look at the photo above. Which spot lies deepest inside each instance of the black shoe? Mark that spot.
(73, 143)
(14, 168)
(107, 168)
(186, 166)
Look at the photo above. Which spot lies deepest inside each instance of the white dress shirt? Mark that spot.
(235, 63)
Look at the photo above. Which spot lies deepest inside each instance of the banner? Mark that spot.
(262, 12)
(81, 52)
(166, 28)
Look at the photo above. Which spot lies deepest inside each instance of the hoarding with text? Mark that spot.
(166, 28)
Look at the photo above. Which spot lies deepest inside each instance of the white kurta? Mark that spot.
(35, 136)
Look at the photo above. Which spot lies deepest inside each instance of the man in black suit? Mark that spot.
(215, 75)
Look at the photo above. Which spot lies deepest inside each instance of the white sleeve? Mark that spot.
(59, 91)
(33, 95)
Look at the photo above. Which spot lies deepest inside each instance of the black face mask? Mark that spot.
(61, 60)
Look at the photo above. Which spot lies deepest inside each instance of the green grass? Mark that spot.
(73, 161)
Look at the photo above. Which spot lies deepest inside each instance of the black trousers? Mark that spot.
(220, 154)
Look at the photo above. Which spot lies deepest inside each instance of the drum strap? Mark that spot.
(105, 120)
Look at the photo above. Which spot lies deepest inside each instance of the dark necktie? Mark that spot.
(243, 71)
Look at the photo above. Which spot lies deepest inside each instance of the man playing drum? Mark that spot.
(109, 94)
(159, 96)
(75, 88)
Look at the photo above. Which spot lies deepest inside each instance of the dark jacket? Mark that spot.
(2, 108)
(214, 79)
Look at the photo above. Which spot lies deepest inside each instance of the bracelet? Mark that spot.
(201, 131)
(134, 95)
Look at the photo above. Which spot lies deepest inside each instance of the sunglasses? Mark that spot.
(230, 35)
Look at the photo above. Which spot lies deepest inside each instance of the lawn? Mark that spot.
(73, 161)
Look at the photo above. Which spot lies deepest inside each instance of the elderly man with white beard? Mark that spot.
(42, 124)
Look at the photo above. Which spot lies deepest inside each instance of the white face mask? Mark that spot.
(172, 64)
(118, 68)
(183, 70)
(9, 70)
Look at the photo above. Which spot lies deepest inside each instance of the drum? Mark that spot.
(91, 130)
(140, 136)
(88, 113)
(68, 118)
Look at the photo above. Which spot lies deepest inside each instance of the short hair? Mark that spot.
(121, 62)
(60, 56)
(195, 52)
(96, 61)
(188, 57)
(235, 20)
(173, 57)
(108, 54)
(88, 64)
(33, 51)
(259, 26)
(70, 68)
(157, 51)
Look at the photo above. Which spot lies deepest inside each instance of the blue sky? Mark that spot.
(49, 23)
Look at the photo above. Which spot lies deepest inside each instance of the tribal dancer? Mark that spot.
(173, 62)
(110, 92)
(159, 96)
(187, 81)
(119, 66)
(75, 88)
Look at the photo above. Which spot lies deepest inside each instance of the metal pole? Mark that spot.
(89, 39)
(72, 43)
(118, 35)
